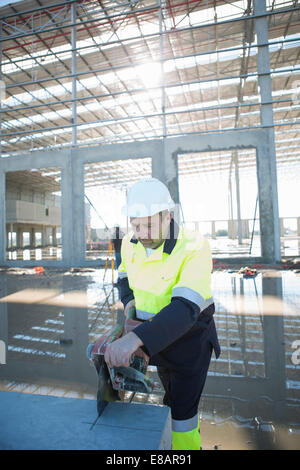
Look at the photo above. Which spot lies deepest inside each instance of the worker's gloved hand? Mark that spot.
(119, 352)
(129, 310)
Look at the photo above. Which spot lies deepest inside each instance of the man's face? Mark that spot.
(151, 231)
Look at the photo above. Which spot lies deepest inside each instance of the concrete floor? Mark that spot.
(252, 394)
(43, 422)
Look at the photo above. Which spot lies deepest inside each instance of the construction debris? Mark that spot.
(248, 272)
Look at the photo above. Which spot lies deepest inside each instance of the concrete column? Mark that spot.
(74, 72)
(232, 229)
(213, 229)
(266, 155)
(32, 237)
(19, 237)
(281, 227)
(229, 228)
(44, 236)
(54, 240)
(238, 197)
(73, 214)
(245, 226)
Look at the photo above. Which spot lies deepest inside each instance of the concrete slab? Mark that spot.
(41, 422)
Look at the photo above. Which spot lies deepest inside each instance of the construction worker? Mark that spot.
(165, 273)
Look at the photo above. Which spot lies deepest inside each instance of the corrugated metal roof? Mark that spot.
(206, 50)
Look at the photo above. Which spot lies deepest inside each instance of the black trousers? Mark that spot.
(183, 382)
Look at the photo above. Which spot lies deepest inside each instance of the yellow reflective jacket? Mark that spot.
(171, 287)
(181, 270)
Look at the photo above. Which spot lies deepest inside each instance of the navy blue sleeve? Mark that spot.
(172, 322)
(125, 292)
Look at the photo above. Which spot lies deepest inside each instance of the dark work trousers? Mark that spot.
(184, 385)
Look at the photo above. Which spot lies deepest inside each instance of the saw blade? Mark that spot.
(105, 393)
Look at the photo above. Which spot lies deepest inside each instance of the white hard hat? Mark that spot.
(146, 198)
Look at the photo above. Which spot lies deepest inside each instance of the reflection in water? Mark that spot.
(252, 395)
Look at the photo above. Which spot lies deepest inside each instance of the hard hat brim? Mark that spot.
(140, 210)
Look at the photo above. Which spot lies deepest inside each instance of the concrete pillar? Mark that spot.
(19, 237)
(32, 237)
(266, 155)
(74, 72)
(230, 229)
(73, 214)
(44, 236)
(213, 229)
(54, 240)
(245, 228)
(238, 197)
(281, 221)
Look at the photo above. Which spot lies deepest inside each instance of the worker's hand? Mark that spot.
(118, 353)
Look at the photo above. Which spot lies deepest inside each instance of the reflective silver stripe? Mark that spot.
(193, 296)
(142, 315)
(185, 425)
(122, 275)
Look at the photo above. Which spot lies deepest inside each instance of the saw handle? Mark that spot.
(130, 324)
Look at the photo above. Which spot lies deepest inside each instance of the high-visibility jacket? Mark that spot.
(174, 282)
(172, 294)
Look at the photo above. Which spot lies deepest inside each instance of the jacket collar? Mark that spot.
(171, 239)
